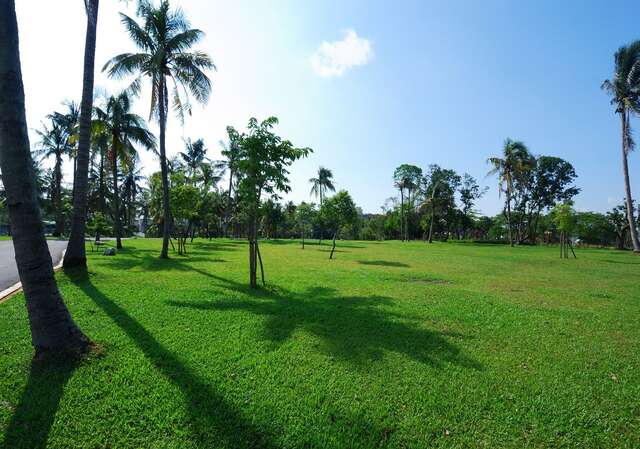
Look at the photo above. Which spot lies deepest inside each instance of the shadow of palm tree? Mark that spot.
(31, 422)
(354, 329)
(215, 423)
(384, 263)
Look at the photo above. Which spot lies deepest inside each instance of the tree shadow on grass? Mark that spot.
(357, 330)
(31, 422)
(383, 263)
(214, 421)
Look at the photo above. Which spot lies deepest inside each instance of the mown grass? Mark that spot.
(389, 345)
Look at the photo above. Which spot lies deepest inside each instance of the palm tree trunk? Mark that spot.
(402, 215)
(75, 255)
(116, 197)
(58, 197)
(166, 231)
(433, 218)
(227, 209)
(509, 216)
(53, 331)
(333, 248)
(627, 183)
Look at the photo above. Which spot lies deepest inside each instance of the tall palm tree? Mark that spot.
(131, 188)
(230, 151)
(164, 38)
(624, 88)
(53, 331)
(126, 130)
(401, 185)
(322, 184)
(54, 143)
(515, 156)
(75, 254)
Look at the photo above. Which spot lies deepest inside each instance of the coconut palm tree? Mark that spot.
(54, 143)
(624, 88)
(126, 130)
(194, 156)
(164, 38)
(322, 184)
(230, 151)
(515, 156)
(53, 331)
(75, 254)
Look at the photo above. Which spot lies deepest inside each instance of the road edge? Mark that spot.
(8, 293)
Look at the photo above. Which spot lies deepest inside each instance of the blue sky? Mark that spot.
(431, 82)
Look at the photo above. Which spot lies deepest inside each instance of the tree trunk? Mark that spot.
(509, 216)
(402, 215)
(333, 248)
(627, 183)
(75, 255)
(57, 204)
(53, 331)
(166, 231)
(433, 218)
(227, 210)
(116, 196)
(302, 239)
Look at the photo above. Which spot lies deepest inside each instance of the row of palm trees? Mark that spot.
(174, 72)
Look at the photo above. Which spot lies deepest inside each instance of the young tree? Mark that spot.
(565, 219)
(53, 331)
(75, 254)
(126, 130)
(624, 88)
(304, 216)
(165, 38)
(337, 212)
(263, 159)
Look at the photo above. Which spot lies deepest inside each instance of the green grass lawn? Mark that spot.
(389, 345)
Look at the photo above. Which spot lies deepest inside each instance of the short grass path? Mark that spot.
(389, 345)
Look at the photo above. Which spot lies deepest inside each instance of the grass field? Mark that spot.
(390, 345)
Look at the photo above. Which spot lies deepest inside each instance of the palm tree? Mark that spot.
(515, 158)
(231, 152)
(164, 38)
(75, 254)
(322, 184)
(624, 89)
(126, 129)
(401, 185)
(194, 156)
(131, 187)
(53, 331)
(54, 143)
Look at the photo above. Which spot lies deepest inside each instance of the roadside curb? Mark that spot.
(7, 293)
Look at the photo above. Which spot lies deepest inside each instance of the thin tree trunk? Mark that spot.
(227, 209)
(260, 260)
(58, 197)
(75, 255)
(116, 196)
(166, 232)
(433, 218)
(333, 248)
(53, 331)
(627, 183)
(509, 217)
(401, 215)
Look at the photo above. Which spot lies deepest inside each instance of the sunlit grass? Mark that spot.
(390, 344)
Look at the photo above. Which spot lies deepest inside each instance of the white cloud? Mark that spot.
(334, 58)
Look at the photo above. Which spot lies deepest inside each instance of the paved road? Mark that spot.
(8, 268)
